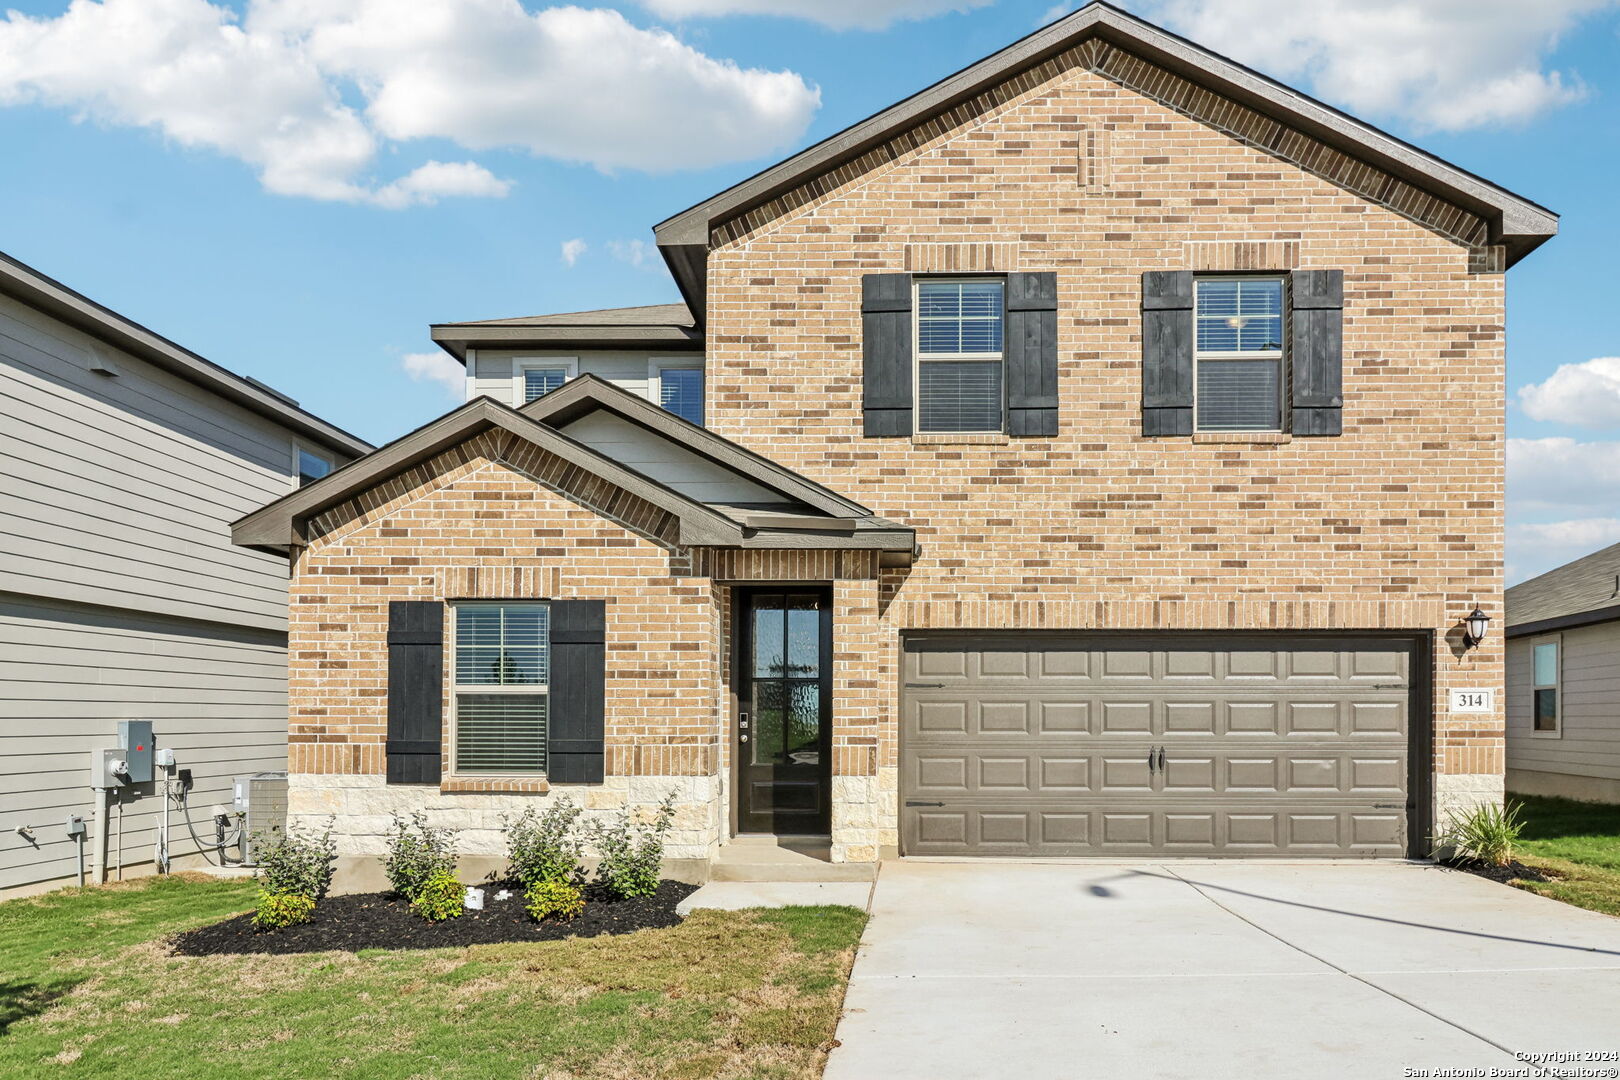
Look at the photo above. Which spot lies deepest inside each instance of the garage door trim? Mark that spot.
(1417, 644)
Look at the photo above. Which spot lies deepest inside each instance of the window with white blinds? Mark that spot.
(538, 382)
(502, 673)
(1239, 353)
(680, 390)
(959, 354)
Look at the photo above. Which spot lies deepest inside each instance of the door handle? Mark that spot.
(1150, 759)
(742, 721)
(1161, 759)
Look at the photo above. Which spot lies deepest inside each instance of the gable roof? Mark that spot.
(1515, 223)
(1578, 593)
(75, 309)
(588, 393)
(649, 326)
(811, 516)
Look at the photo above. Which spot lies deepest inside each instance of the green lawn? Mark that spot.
(1578, 843)
(88, 989)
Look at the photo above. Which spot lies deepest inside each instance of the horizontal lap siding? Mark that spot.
(120, 490)
(1590, 741)
(217, 697)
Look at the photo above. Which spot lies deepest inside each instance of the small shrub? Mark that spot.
(292, 863)
(417, 853)
(547, 898)
(440, 897)
(278, 910)
(544, 847)
(1488, 833)
(632, 852)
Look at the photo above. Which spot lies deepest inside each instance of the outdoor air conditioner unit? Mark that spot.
(261, 799)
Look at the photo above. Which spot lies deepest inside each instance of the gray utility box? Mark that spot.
(261, 799)
(135, 741)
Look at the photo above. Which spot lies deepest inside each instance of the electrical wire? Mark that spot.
(185, 808)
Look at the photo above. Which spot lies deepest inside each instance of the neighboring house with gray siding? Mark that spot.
(122, 459)
(1563, 681)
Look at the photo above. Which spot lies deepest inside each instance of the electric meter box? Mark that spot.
(135, 740)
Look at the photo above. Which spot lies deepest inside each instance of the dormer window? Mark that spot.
(537, 378)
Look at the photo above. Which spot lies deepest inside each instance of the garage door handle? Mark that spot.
(1161, 759)
(913, 802)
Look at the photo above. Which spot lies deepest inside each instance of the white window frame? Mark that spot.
(1279, 354)
(918, 358)
(523, 364)
(522, 689)
(657, 365)
(1556, 686)
(300, 448)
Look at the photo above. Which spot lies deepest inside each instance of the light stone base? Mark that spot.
(361, 810)
(865, 815)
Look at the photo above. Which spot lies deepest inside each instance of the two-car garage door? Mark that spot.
(1026, 745)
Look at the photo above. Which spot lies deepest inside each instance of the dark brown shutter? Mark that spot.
(1167, 352)
(415, 690)
(576, 709)
(886, 354)
(1032, 354)
(1316, 352)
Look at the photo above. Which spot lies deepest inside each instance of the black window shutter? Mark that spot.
(886, 354)
(576, 709)
(1032, 354)
(1316, 352)
(1167, 352)
(415, 690)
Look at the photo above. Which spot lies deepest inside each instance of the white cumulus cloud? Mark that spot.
(838, 14)
(573, 249)
(1563, 502)
(1583, 395)
(638, 253)
(311, 92)
(438, 367)
(1444, 65)
(1536, 547)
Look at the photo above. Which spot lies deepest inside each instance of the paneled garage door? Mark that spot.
(1169, 745)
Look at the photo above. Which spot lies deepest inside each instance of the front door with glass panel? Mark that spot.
(784, 711)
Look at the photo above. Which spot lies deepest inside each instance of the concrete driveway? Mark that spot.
(1199, 969)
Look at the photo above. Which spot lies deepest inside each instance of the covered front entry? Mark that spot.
(783, 678)
(1171, 744)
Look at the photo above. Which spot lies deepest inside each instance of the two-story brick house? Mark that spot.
(1100, 451)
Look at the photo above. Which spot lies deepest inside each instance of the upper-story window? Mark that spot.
(540, 377)
(1545, 672)
(502, 673)
(959, 354)
(311, 466)
(1239, 353)
(677, 385)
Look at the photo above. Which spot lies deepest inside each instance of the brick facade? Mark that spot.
(1396, 524)
(1092, 167)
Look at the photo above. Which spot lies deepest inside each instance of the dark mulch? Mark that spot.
(384, 921)
(1503, 874)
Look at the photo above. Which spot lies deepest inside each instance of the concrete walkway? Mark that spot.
(1200, 969)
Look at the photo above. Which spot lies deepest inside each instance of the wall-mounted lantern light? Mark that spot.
(1475, 626)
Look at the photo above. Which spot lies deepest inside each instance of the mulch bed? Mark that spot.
(1502, 874)
(384, 921)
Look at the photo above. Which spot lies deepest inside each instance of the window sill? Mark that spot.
(1556, 733)
(509, 785)
(966, 438)
(1253, 438)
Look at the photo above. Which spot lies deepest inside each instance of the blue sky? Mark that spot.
(268, 206)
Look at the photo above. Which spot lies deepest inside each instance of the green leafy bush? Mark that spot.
(631, 851)
(562, 899)
(543, 847)
(278, 910)
(440, 897)
(293, 863)
(1488, 833)
(417, 853)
